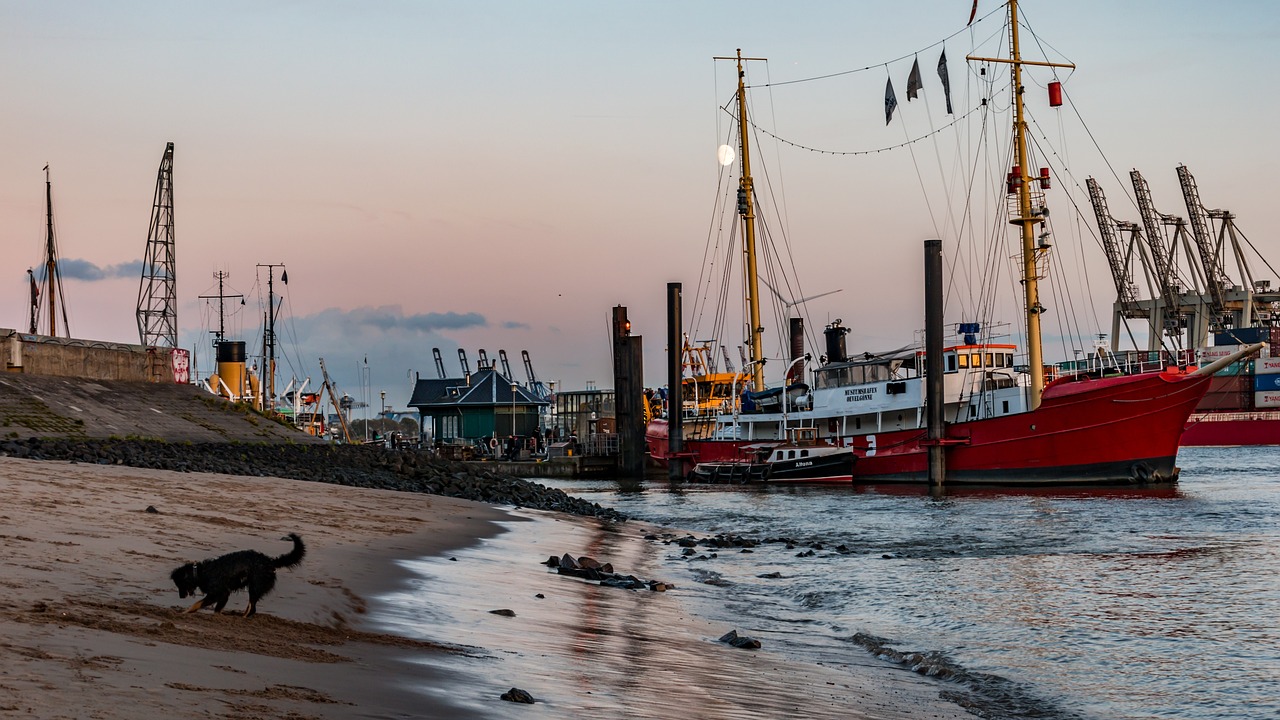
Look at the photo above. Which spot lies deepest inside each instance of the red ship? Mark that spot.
(1003, 423)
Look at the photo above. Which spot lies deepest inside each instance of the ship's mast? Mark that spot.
(53, 280)
(1030, 253)
(746, 208)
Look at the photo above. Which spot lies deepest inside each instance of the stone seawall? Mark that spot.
(354, 465)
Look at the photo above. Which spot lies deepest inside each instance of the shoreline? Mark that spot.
(91, 624)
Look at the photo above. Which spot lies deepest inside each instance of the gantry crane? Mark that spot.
(1169, 311)
(1214, 279)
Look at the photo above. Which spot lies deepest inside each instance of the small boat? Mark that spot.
(802, 460)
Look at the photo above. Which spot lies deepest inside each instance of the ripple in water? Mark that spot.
(1117, 603)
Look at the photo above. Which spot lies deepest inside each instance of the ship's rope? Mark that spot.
(874, 66)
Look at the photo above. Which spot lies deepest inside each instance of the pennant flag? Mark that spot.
(946, 81)
(913, 81)
(973, 13)
(890, 101)
(284, 277)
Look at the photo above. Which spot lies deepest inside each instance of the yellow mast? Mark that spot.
(746, 208)
(1030, 279)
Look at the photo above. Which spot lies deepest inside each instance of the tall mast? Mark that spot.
(269, 335)
(746, 208)
(1030, 253)
(50, 255)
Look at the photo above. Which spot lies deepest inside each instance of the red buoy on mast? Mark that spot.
(1055, 94)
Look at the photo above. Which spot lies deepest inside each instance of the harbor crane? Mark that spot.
(157, 308)
(435, 352)
(337, 405)
(462, 357)
(506, 366)
(1169, 315)
(1216, 281)
(483, 363)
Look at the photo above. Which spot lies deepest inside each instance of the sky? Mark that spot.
(499, 175)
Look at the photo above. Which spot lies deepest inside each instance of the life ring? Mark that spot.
(493, 443)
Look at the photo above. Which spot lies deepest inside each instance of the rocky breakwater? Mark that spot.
(354, 465)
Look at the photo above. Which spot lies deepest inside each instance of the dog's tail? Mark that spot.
(294, 556)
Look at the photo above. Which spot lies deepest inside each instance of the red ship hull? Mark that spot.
(1232, 428)
(1110, 430)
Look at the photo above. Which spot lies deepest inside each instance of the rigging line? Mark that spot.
(1094, 140)
(715, 230)
(841, 73)
(1256, 251)
(860, 152)
(779, 211)
(784, 214)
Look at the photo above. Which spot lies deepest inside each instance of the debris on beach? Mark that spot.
(517, 695)
(740, 641)
(504, 612)
(591, 569)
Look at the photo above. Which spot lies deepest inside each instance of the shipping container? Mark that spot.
(1266, 400)
(1240, 367)
(1267, 366)
(1266, 383)
(1231, 383)
(1243, 336)
(1224, 402)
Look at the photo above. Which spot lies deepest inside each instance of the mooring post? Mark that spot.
(675, 373)
(933, 358)
(628, 383)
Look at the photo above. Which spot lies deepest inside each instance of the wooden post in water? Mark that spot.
(628, 383)
(675, 373)
(933, 356)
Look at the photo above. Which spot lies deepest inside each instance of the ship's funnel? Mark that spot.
(835, 333)
(231, 369)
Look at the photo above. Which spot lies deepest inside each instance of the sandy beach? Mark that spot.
(92, 627)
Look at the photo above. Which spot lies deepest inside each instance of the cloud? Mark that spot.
(391, 317)
(78, 269)
(512, 325)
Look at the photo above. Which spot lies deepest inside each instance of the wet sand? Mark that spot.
(91, 626)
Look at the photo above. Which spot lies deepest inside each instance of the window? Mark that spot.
(804, 453)
(951, 362)
(1004, 404)
(975, 360)
(963, 359)
(991, 360)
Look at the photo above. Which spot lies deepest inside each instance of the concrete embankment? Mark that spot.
(45, 406)
(182, 428)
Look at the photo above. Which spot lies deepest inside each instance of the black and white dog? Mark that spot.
(218, 577)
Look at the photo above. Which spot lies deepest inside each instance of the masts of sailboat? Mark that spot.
(53, 294)
(1026, 219)
(746, 208)
(269, 336)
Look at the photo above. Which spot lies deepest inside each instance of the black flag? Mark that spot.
(284, 277)
(913, 81)
(890, 101)
(946, 81)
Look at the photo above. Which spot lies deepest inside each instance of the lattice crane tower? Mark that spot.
(158, 293)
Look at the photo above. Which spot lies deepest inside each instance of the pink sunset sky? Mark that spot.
(500, 174)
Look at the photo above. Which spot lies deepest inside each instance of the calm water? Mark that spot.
(1037, 604)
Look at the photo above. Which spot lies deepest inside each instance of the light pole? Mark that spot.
(382, 408)
(786, 394)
